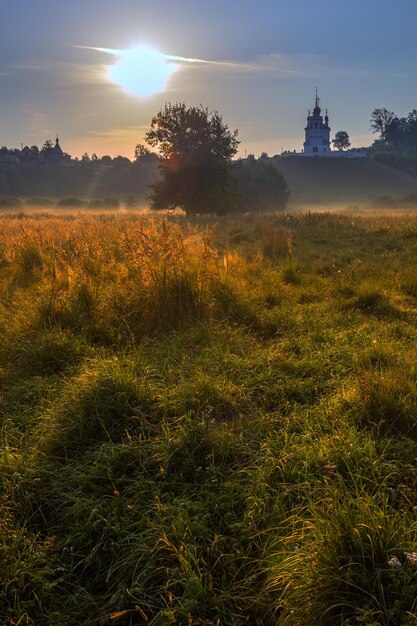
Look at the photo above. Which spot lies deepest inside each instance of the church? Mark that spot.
(317, 132)
(317, 138)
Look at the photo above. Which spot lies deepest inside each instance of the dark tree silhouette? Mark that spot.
(47, 146)
(140, 151)
(380, 119)
(196, 148)
(341, 140)
(401, 132)
(261, 186)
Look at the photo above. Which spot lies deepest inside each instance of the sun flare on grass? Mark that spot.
(141, 71)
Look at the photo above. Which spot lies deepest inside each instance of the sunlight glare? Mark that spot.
(141, 72)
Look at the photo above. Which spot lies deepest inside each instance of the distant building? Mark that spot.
(317, 132)
(54, 154)
(57, 153)
(27, 154)
(317, 138)
(33, 156)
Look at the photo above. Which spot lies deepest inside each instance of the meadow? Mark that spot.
(208, 424)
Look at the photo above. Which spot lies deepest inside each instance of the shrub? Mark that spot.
(70, 202)
(375, 303)
(30, 258)
(276, 243)
(340, 567)
(291, 274)
(387, 402)
(39, 202)
(96, 406)
(106, 203)
(261, 185)
(9, 202)
(51, 352)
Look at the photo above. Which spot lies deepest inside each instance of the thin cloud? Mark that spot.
(36, 66)
(113, 141)
(171, 57)
(69, 72)
(38, 124)
(275, 64)
(120, 133)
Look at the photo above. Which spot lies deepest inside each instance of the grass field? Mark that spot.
(208, 426)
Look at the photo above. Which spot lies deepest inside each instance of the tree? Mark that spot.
(412, 128)
(380, 119)
(47, 146)
(121, 161)
(261, 186)
(341, 140)
(396, 132)
(140, 151)
(196, 148)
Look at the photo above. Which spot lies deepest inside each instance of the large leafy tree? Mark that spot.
(196, 149)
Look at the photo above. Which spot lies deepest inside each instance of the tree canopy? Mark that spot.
(401, 132)
(141, 151)
(196, 148)
(261, 186)
(341, 140)
(380, 119)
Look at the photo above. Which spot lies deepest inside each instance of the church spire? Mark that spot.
(317, 109)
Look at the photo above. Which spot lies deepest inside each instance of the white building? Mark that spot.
(317, 138)
(317, 132)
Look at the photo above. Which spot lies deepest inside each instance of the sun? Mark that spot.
(141, 71)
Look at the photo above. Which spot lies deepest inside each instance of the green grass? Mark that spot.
(208, 427)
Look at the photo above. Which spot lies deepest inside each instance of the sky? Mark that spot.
(258, 65)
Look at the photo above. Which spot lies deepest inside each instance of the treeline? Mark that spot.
(398, 132)
(396, 145)
(70, 202)
(256, 185)
(194, 170)
(93, 179)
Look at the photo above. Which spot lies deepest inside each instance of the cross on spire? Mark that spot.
(317, 99)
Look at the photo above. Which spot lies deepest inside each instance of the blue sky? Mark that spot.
(360, 54)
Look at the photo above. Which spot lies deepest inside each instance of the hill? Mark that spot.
(334, 181)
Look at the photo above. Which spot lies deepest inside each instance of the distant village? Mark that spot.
(50, 171)
(52, 155)
(49, 154)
